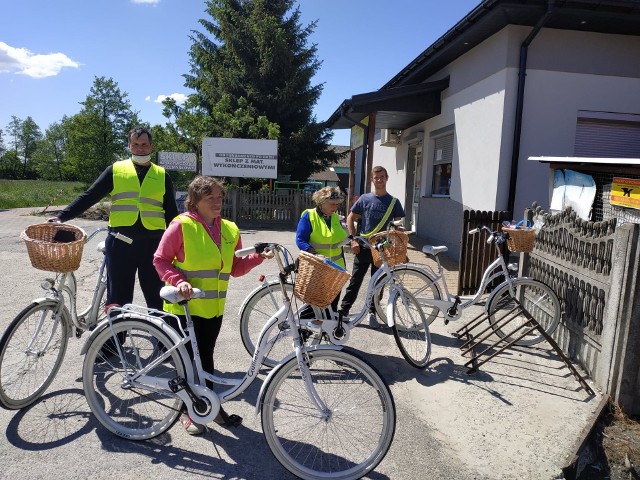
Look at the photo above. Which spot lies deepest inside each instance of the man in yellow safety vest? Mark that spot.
(142, 205)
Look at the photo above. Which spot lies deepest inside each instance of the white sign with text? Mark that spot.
(240, 157)
(177, 161)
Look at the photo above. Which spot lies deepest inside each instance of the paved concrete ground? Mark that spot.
(518, 418)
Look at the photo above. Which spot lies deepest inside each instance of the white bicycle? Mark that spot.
(33, 346)
(509, 306)
(326, 412)
(390, 288)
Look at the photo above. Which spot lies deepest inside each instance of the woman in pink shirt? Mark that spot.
(200, 240)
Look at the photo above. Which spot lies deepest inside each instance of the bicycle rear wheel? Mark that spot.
(31, 352)
(536, 298)
(121, 405)
(418, 283)
(262, 304)
(411, 329)
(348, 440)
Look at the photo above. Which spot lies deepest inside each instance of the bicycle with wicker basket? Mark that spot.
(33, 346)
(325, 411)
(316, 285)
(535, 298)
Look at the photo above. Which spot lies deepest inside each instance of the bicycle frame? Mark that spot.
(452, 306)
(67, 284)
(195, 374)
(383, 276)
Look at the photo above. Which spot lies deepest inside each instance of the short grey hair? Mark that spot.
(327, 193)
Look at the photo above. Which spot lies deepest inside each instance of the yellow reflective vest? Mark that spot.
(206, 266)
(130, 199)
(327, 241)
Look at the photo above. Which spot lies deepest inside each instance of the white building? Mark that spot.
(513, 79)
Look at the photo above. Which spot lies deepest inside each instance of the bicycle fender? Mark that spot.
(66, 315)
(275, 370)
(270, 283)
(157, 322)
(392, 297)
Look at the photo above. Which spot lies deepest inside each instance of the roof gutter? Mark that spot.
(517, 131)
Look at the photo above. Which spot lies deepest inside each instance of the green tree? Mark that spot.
(50, 157)
(11, 163)
(24, 137)
(3, 151)
(97, 135)
(251, 72)
(2, 147)
(29, 138)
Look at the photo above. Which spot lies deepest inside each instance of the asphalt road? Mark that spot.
(449, 425)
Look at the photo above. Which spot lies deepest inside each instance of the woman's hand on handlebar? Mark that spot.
(267, 254)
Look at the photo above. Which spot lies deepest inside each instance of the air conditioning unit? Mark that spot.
(389, 138)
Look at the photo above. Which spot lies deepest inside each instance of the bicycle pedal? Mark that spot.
(177, 384)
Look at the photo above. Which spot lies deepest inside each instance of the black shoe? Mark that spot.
(227, 420)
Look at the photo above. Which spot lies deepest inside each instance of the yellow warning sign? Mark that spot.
(625, 192)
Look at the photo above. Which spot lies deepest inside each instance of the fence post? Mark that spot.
(234, 204)
(619, 363)
(297, 206)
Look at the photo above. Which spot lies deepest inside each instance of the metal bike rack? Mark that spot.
(475, 338)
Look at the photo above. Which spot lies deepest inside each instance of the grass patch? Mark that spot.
(37, 193)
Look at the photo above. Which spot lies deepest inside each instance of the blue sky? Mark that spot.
(51, 51)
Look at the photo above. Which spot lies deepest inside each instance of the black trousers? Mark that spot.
(123, 261)
(307, 313)
(206, 332)
(362, 262)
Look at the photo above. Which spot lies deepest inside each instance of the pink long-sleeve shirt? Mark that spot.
(171, 248)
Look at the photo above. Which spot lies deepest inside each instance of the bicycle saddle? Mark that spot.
(431, 250)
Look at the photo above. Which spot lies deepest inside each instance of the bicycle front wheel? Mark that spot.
(262, 304)
(533, 296)
(346, 441)
(411, 329)
(119, 403)
(418, 283)
(31, 352)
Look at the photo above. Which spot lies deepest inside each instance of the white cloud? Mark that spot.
(24, 62)
(180, 98)
(148, 2)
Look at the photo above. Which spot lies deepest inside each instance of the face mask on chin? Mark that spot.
(140, 159)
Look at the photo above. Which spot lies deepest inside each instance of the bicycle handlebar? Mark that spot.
(281, 254)
(392, 225)
(494, 235)
(117, 235)
(243, 252)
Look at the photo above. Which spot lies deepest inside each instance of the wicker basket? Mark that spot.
(395, 252)
(47, 254)
(318, 282)
(520, 239)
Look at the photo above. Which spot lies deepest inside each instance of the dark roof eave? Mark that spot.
(397, 108)
(602, 16)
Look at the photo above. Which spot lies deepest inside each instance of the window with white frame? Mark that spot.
(442, 164)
